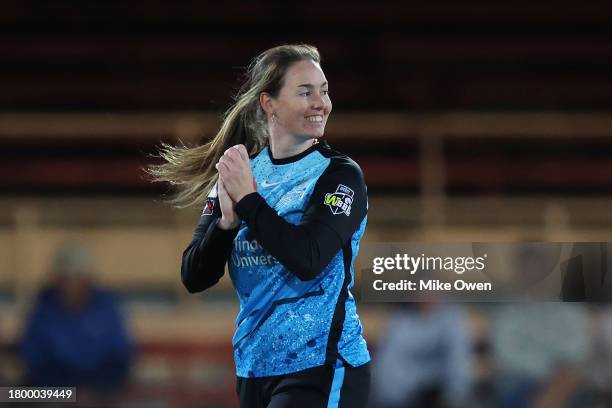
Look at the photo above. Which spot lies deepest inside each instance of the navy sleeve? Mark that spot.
(334, 212)
(205, 258)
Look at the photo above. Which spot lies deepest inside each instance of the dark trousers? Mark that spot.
(323, 386)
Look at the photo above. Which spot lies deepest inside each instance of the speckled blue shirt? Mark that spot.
(291, 262)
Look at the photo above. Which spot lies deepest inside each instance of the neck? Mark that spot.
(286, 147)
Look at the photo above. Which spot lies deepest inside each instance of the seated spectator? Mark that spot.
(599, 365)
(423, 359)
(76, 335)
(538, 350)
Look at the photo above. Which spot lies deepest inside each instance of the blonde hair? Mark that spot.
(191, 170)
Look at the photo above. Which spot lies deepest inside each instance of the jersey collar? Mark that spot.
(291, 159)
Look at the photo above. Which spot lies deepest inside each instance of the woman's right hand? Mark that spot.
(229, 218)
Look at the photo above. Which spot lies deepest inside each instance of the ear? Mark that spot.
(266, 102)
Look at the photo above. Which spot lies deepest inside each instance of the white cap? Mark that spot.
(72, 259)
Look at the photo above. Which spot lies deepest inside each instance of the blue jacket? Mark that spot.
(90, 348)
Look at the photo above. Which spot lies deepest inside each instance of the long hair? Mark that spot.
(191, 170)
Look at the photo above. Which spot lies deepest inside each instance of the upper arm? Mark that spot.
(339, 200)
(211, 211)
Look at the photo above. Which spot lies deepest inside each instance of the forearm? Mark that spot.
(558, 390)
(203, 262)
(304, 250)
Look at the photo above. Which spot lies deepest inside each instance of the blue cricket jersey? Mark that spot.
(291, 262)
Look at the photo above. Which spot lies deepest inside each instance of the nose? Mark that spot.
(318, 103)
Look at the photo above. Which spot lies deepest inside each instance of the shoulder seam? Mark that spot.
(345, 161)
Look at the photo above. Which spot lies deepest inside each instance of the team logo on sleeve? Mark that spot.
(340, 201)
(209, 206)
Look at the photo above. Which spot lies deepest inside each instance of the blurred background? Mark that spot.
(472, 121)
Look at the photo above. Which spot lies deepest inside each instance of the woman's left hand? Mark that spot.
(235, 170)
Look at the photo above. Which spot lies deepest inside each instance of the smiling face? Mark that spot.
(302, 105)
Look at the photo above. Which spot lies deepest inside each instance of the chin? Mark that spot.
(317, 133)
(312, 135)
(311, 132)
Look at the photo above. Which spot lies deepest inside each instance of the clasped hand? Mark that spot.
(235, 181)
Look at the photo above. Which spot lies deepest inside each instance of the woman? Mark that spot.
(287, 220)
